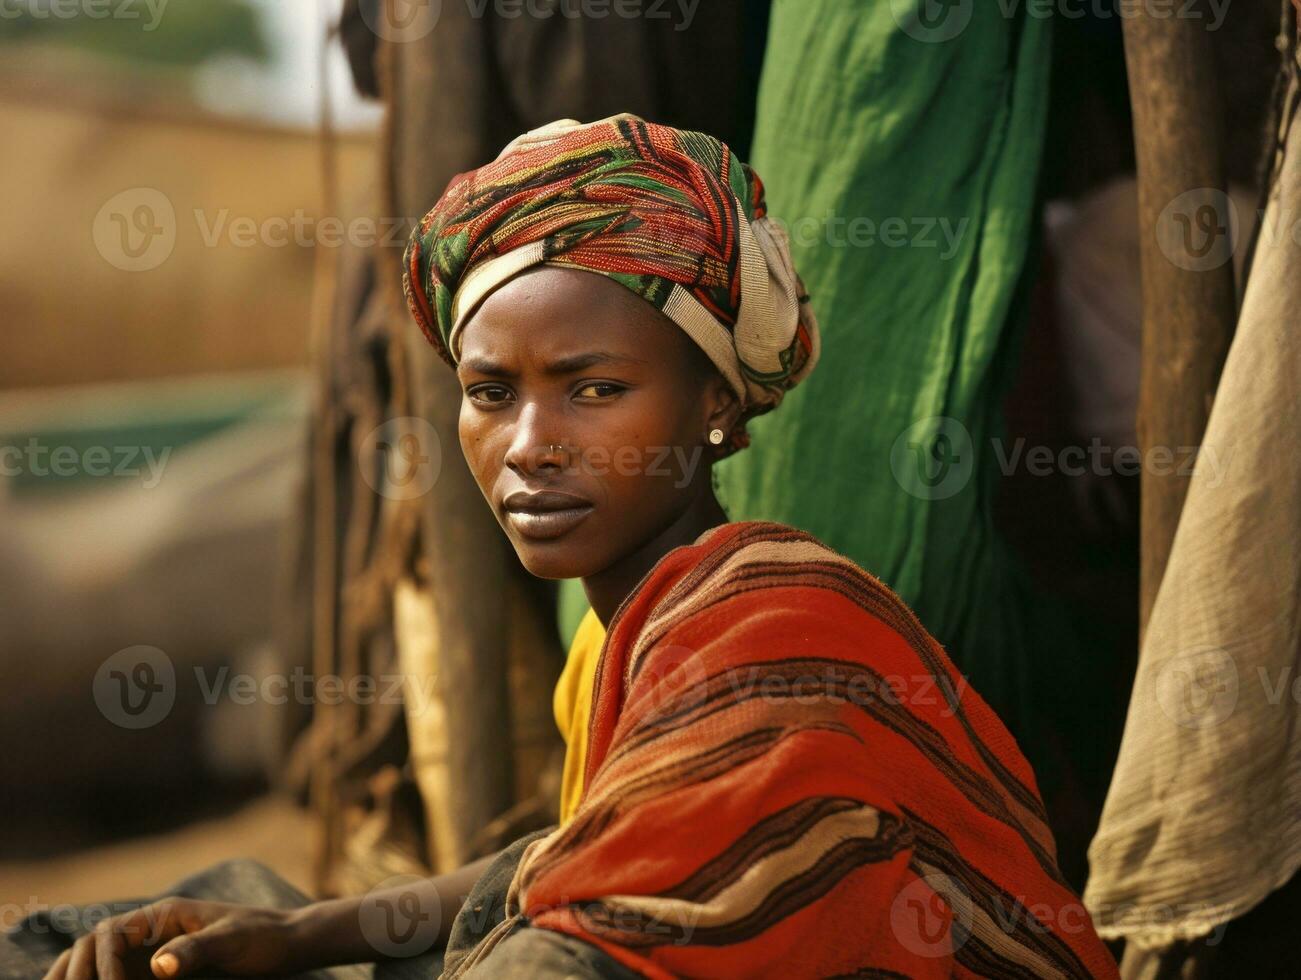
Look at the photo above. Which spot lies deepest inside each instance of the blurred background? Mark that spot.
(190, 378)
(207, 375)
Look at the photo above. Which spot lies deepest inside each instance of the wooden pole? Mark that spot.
(1187, 236)
(469, 558)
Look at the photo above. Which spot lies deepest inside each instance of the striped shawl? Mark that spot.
(788, 777)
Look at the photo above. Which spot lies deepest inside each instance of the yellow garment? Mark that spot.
(572, 705)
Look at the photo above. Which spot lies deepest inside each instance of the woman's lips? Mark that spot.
(545, 525)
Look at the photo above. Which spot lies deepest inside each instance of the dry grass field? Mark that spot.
(68, 315)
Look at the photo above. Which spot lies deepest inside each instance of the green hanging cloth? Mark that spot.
(900, 143)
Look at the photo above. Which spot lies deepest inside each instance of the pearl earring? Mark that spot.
(715, 436)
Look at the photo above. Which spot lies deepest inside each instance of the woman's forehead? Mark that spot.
(554, 313)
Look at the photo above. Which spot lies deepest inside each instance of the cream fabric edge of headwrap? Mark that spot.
(554, 130)
(710, 335)
(485, 278)
(548, 133)
(767, 296)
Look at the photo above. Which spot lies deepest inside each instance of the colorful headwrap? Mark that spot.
(671, 214)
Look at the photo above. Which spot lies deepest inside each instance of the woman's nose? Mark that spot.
(536, 444)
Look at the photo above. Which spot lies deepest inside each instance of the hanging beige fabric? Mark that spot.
(1203, 818)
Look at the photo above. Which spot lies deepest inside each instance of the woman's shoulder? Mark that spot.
(763, 535)
(770, 539)
(778, 568)
(787, 555)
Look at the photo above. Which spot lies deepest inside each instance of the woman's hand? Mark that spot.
(176, 937)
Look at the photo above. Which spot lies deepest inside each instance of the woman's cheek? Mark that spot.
(465, 426)
(474, 447)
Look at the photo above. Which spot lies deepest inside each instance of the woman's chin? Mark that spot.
(551, 559)
(570, 548)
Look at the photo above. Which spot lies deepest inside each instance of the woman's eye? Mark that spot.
(599, 389)
(492, 394)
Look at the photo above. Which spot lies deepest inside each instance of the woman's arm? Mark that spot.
(334, 932)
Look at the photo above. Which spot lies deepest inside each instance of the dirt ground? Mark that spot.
(270, 829)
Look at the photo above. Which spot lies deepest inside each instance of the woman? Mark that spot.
(783, 773)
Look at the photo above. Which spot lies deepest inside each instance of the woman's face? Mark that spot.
(572, 360)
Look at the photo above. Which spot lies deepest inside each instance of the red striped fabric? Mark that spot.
(788, 777)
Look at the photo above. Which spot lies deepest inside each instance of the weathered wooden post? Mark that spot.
(1186, 235)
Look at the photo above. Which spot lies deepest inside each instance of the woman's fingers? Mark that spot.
(184, 955)
(100, 955)
(179, 958)
(59, 970)
(81, 966)
(183, 936)
(110, 944)
(165, 963)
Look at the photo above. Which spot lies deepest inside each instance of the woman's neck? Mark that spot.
(607, 589)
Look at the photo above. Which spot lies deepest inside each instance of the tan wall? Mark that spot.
(68, 315)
